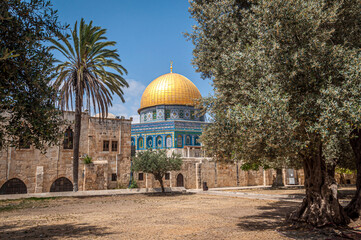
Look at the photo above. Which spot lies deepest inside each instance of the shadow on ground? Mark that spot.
(54, 231)
(272, 216)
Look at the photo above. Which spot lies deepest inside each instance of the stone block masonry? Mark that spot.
(107, 142)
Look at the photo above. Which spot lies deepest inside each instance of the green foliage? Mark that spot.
(87, 159)
(27, 102)
(285, 74)
(253, 166)
(156, 162)
(91, 73)
(85, 72)
(250, 166)
(133, 184)
(345, 171)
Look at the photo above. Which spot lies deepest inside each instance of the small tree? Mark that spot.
(157, 163)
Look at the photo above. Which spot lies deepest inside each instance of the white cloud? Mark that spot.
(132, 97)
(136, 118)
(135, 89)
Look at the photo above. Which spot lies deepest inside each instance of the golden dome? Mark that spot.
(170, 89)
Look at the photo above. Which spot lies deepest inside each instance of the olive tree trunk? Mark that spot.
(353, 209)
(160, 180)
(320, 207)
(78, 107)
(278, 182)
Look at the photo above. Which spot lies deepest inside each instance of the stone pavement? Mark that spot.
(275, 197)
(212, 191)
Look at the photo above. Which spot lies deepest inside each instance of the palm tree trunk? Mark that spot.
(78, 106)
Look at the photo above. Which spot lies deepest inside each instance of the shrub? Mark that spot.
(87, 159)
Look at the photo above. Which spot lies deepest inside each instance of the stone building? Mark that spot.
(27, 170)
(168, 120)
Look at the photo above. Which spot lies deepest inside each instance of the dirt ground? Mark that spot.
(182, 216)
(345, 193)
(290, 190)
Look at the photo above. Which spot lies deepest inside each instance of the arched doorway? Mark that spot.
(61, 185)
(180, 181)
(13, 186)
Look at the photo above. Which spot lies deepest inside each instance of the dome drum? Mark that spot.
(169, 112)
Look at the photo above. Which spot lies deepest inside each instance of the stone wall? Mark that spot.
(39, 171)
(195, 171)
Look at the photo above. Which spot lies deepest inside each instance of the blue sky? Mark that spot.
(149, 34)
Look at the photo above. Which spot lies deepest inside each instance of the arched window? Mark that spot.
(68, 139)
(61, 185)
(179, 141)
(159, 142)
(132, 141)
(13, 186)
(150, 142)
(140, 143)
(169, 141)
(188, 140)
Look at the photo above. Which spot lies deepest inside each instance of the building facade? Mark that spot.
(168, 119)
(27, 170)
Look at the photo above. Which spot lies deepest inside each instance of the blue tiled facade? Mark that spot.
(164, 127)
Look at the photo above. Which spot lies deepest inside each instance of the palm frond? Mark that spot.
(92, 70)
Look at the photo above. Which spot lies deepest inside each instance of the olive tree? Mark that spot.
(287, 87)
(157, 163)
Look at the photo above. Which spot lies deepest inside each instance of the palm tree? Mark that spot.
(85, 75)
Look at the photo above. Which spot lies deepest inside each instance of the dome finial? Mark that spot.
(171, 66)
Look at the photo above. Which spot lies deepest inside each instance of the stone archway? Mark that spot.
(13, 186)
(180, 180)
(61, 185)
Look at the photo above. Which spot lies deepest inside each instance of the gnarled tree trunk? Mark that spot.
(320, 207)
(278, 182)
(78, 107)
(353, 209)
(160, 180)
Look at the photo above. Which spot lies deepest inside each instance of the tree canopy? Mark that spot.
(27, 109)
(157, 163)
(286, 76)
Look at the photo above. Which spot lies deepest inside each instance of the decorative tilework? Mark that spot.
(174, 114)
(187, 114)
(160, 114)
(149, 116)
